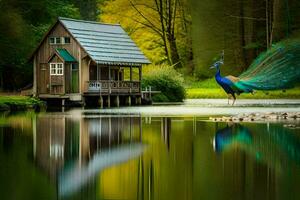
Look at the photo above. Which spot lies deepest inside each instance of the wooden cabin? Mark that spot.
(77, 60)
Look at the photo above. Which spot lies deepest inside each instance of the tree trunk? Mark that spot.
(163, 28)
(242, 36)
(252, 33)
(175, 60)
(186, 24)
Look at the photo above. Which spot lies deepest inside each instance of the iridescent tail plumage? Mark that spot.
(275, 69)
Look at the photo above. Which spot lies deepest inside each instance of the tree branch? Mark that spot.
(248, 18)
(143, 16)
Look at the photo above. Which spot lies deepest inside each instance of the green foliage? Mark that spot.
(235, 26)
(208, 88)
(202, 29)
(23, 24)
(165, 79)
(144, 22)
(206, 83)
(19, 103)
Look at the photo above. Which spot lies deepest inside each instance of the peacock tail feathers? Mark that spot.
(277, 68)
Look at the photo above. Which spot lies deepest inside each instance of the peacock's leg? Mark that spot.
(234, 98)
(229, 97)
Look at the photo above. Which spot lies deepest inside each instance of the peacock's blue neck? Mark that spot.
(218, 73)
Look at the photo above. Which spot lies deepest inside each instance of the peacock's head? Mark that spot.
(217, 64)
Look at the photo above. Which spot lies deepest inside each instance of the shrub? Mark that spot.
(167, 80)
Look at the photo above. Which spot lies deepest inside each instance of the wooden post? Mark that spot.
(140, 78)
(97, 68)
(108, 101)
(118, 101)
(63, 105)
(109, 80)
(35, 76)
(118, 76)
(139, 100)
(64, 79)
(130, 85)
(130, 73)
(80, 70)
(100, 101)
(128, 101)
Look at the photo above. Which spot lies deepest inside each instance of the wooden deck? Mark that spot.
(104, 93)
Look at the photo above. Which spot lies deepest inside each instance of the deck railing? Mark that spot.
(113, 86)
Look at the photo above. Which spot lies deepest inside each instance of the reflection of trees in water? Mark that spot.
(178, 162)
(274, 145)
(164, 171)
(166, 130)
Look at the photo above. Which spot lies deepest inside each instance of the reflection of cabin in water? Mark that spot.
(61, 140)
(74, 150)
(79, 60)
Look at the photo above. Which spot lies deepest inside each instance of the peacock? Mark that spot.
(277, 68)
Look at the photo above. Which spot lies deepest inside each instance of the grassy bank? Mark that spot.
(215, 93)
(16, 103)
(210, 89)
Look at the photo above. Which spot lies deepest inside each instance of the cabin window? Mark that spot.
(74, 66)
(67, 40)
(52, 69)
(57, 40)
(59, 69)
(56, 69)
(52, 40)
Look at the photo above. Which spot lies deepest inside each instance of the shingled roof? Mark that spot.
(105, 43)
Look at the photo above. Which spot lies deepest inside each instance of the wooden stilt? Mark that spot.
(100, 102)
(63, 105)
(118, 101)
(139, 100)
(108, 101)
(129, 100)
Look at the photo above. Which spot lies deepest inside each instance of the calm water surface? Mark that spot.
(90, 155)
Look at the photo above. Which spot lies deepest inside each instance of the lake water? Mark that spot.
(136, 153)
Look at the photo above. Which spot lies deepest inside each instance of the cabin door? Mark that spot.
(93, 72)
(43, 78)
(74, 78)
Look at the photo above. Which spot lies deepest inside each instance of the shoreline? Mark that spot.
(23, 103)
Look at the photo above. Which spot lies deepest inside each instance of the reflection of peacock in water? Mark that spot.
(277, 68)
(273, 145)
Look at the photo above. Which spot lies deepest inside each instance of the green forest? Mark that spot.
(187, 35)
